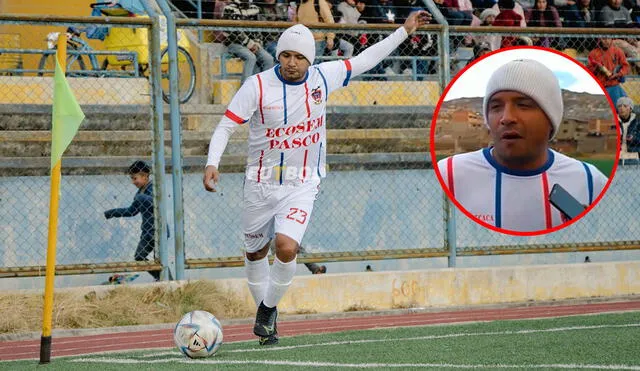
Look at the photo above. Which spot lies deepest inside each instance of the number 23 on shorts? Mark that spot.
(297, 215)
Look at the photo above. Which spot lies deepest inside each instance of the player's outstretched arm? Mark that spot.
(210, 179)
(374, 54)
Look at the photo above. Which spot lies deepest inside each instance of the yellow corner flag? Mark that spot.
(67, 116)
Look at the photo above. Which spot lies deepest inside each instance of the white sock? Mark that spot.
(257, 277)
(279, 281)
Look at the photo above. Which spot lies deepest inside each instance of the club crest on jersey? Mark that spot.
(316, 94)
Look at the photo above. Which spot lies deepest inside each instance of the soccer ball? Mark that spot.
(198, 334)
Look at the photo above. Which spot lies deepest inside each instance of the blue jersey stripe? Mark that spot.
(281, 166)
(589, 182)
(284, 97)
(319, 154)
(326, 89)
(498, 200)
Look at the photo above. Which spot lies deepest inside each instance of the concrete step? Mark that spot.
(205, 117)
(139, 142)
(106, 117)
(39, 166)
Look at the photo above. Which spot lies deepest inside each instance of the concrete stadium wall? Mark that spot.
(453, 287)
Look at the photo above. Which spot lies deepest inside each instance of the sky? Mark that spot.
(571, 76)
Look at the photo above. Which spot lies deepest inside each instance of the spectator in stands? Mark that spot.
(450, 10)
(580, 15)
(486, 18)
(543, 15)
(349, 12)
(378, 11)
(511, 10)
(614, 14)
(630, 130)
(246, 46)
(610, 66)
(272, 11)
(509, 17)
(479, 50)
(317, 11)
(142, 204)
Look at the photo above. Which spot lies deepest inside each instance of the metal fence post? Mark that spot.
(449, 214)
(176, 141)
(158, 142)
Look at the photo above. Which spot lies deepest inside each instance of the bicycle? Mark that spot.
(127, 55)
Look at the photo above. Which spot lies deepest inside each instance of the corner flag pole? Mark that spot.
(66, 118)
(47, 310)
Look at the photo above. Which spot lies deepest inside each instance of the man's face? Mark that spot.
(489, 20)
(293, 65)
(585, 3)
(520, 130)
(615, 4)
(541, 4)
(624, 111)
(140, 179)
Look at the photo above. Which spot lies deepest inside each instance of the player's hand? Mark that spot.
(210, 179)
(415, 20)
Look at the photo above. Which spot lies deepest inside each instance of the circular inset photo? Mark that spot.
(525, 141)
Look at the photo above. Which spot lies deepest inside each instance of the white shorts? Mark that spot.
(268, 209)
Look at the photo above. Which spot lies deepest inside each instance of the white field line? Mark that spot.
(353, 365)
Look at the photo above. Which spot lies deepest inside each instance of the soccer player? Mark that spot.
(507, 185)
(285, 108)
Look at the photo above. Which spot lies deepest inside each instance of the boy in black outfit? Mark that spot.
(142, 203)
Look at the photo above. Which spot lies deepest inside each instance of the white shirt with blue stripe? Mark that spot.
(518, 200)
(287, 120)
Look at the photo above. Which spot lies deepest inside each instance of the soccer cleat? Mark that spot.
(269, 340)
(266, 317)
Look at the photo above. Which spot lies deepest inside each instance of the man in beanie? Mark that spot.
(507, 185)
(285, 108)
(630, 131)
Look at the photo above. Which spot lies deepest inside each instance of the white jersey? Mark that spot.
(517, 200)
(287, 121)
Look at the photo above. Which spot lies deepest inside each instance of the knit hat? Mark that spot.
(297, 38)
(532, 79)
(488, 12)
(624, 101)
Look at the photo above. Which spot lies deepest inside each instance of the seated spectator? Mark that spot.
(614, 14)
(610, 66)
(378, 11)
(486, 18)
(317, 11)
(543, 15)
(272, 11)
(579, 15)
(508, 17)
(630, 130)
(450, 10)
(349, 12)
(246, 46)
(479, 50)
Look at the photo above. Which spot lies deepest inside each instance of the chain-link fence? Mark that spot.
(110, 75)
(374, 197)
(380, 199)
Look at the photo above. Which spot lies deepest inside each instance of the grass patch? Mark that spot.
(121, 306)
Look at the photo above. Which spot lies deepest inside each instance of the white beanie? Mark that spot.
(624, 101)
(532, 79)
(297, 38)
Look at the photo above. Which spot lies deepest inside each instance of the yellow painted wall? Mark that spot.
(34, 37)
